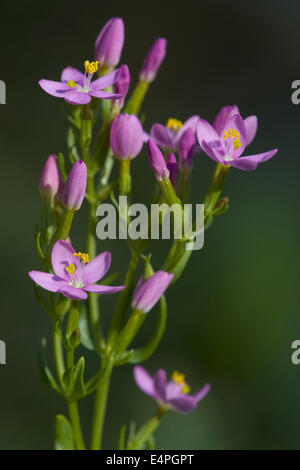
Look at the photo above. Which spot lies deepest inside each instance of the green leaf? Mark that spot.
(62, 166)
(180, 265)
(63, 434)
(45, 374)
(86, 338)
(146, 351)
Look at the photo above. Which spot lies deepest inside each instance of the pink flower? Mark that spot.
(172, 394)
(74, 275)
(227, 139)
(78, 88)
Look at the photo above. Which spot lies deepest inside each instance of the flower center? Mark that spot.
(71, 269)
(174, 125)
(90, 69)
(180, 379)
(84, 257)
(235, 136)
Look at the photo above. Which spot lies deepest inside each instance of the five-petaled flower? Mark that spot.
(172, 394)
(78, 88)
(168, 137)
(227, 139)
(74, 275)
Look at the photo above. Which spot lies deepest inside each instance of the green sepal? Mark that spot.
(180, 264)
(221, 207)
(44, 371)
(38, 245)
(146, 351)
(86, 338)
(63, 434)
(74, 382)
(61, 165)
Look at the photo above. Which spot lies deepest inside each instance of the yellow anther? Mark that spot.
(185, 389)
(237, 143)
(174, 124)
(225, 135)
(91, 67)
(84, 257)
(71, 84)
(71, 269)
(180, 379)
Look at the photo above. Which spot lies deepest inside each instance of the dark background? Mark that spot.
(235, 312)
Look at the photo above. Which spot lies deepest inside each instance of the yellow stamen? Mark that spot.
(174, 124)
(180, 379)
(71, 269)
(71, 84)
(84, 257)
(91, 67)
(233, 134)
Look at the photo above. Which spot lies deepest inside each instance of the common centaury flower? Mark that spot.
(227, 139)
(168, 137)
(74, 274)
(78, 88)
(173, 394)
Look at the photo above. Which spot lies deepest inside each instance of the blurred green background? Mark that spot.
(235, 312)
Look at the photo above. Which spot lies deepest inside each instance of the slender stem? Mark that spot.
(136, 100)
(146, 430)
(58, 357)
(124, 297)
(76, 427)
(93, 304)
(99, 413)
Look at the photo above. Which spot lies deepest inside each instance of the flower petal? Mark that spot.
(70, 73)
(200, 394)
(160, 384)
(48, 281)
(190, 123)
(62, 255)
(97, 268)
(235, 122)
(251, 128)
(77, 97)
(57, 89)
(144, 381)
(222, 117)
(106, 80)
(184, 404)
(210, 141)
(105, 95)
(251, 162)
(98, 289)
(73, 293)
(162, 137)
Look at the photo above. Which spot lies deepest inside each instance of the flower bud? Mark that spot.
(109, 43)
(50, 178)
(122, 85)
(75, 186)
(153, 60)
(126, 136)
(157, 161)
(186, 148)
(173, 169)
(148, 292)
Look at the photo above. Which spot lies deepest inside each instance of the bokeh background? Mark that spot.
(235, 312)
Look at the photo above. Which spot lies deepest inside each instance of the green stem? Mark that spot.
(99, 413)
(123, 300)
(216, 186)
(125, 178)
(76, 427)
(58, 357)
(61, 233)
(136, 100)
(146, 431)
